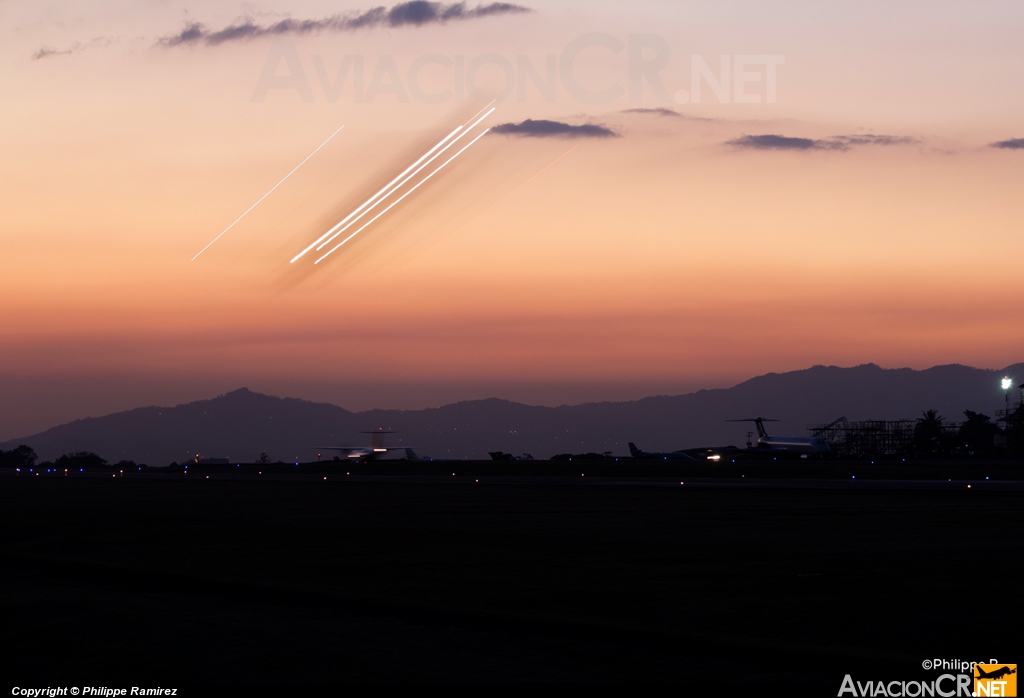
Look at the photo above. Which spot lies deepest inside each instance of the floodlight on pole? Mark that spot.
(1006, 391)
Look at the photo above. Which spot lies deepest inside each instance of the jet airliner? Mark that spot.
(804, 445)
(375, 451)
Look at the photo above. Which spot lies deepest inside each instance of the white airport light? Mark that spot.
(1007, 383)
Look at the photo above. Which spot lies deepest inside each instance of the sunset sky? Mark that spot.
(848, 192)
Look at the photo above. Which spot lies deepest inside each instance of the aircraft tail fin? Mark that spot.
(759, 423)
(633, 450)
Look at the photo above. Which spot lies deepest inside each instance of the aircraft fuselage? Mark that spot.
(794, 444)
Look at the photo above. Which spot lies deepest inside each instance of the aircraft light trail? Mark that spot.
(399, 199)
(266, 195)
(391, 187)
(403, 182)
(384, 189)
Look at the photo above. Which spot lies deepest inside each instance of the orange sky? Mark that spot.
(659, 260)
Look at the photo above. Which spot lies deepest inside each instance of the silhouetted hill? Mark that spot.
(242, 423)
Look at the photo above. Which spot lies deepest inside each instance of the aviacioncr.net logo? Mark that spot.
(946, 686)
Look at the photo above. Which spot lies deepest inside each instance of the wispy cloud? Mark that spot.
(655, 111)
(50, 51)
(1011, 144)
(47, 51)
(415, 13)
(872, 139)
(665, 112)
(542, 128)
(773, 141)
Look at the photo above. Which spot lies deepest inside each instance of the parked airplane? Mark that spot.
(376, 450)
(673, 455)
(501, 455)
(803, 445)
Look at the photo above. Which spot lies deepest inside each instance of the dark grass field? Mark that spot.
(160, 579)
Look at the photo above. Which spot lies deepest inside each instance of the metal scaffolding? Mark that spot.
(872, 438)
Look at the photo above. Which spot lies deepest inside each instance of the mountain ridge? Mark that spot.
(242, 423)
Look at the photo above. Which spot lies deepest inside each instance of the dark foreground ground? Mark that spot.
(160, 580)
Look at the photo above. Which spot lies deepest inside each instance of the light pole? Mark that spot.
(1007, 384)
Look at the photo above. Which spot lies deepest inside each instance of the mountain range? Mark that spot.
(243, 424)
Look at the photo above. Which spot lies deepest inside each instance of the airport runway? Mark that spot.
(581, 481)
(284, 577)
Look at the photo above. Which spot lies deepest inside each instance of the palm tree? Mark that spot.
(928, 431)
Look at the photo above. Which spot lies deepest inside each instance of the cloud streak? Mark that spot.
(655, 111)
(665, 112)
(1010, 144)
(48, 51)
(543, 128)
(77, 47)
(774, 141)
(407, 14)
(872, 139)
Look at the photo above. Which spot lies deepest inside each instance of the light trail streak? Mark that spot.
(399, 199)
(403, 182)
(384, 189)
(484, 212)
(388, 189)
(267, 194)
(482, 110)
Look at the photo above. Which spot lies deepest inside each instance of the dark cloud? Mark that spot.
(191, 33)
(1011, 144)
(246, 30)
(415, 13)
(773, 141)
(541, 128)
